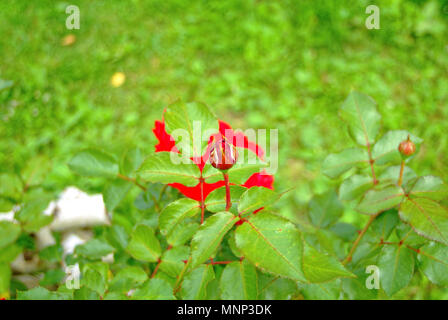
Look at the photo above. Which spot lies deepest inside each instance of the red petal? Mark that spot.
(260, 180)
(257, 179)
(195, 192)
(166, 142)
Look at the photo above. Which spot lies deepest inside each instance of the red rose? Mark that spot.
(238, 139)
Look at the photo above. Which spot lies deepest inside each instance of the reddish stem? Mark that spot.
(201, 203)
(227, 184)
(358, 239)
(134, 181)
(158, 263)
(371, 161)
(156, 269)
(219, 262)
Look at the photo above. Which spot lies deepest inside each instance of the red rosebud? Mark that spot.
(407, 147)
(223, 155)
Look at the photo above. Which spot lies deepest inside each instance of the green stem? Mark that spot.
(134, 181)
(178, 283)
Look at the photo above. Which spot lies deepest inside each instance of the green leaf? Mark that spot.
(115, 296)
(362, 117)
(321, 291)
(114, 192)
(232, 245)
(10, 186)
(182, 233)
(144, 244)
(336, 164)
(137, 274)
(10, 252)
(31, 214)
(85, 293)
(9, 232)
(273, 244)
(430, 187)
(427, 217)
(386, 149)
(216, 200)
(396, 264)
(39, 293)
(383, 225)
(433, 260)
(160, 167)
(176, 212)
(354, 187)
(52, 277)
(102, 268)
(356, 289)
(213, 290)
(94, 163)
(131, 161)
(377, 200)
(326, 240)
(209, 236)
(239, 281)
(194, 123)
(162, 275)
(279, 289)
(127, 278)
(194, 286)
(6, 205)
(94, 249)
(5, 279)
(52, 253)
(325, 209)
(255, 198)
(154, 289)
(173, 260)
(321, 267)
(345, 231)
(36, 170)
(93, 280)
(117, 236)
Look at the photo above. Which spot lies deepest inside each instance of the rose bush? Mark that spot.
(196, 232)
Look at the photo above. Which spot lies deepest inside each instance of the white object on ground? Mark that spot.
(73, 239)
(77, 209)
(73, 210)
(7, 216)
(44, 238)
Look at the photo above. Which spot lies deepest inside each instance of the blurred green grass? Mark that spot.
(258, 64)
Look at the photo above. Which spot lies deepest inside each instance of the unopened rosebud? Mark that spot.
(223, 155)
(407, 147)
